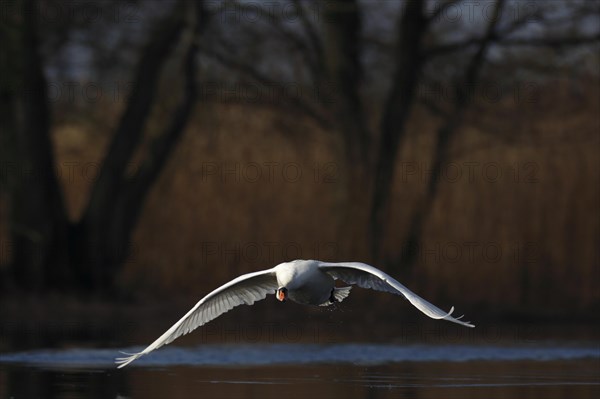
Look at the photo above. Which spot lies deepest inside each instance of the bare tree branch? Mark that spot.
(502, 37)
(441, 9)
(558, 42)
(308, 52)
(311, 31)
(298, 103)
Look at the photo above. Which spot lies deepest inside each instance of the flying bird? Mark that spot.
(309, 282)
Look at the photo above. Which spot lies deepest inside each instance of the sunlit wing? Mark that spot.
(245, 289)
(366, 276)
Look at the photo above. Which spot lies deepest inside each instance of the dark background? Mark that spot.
(151, 151)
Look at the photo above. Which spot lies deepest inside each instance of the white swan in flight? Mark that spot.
(309, 282)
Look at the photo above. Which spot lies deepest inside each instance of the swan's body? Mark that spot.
(309, 282)
(305, 282)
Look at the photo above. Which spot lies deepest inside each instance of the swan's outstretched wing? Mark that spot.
(245, 289)
(366, 276)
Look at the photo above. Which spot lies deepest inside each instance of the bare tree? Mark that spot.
(50, 251)
(334, 53)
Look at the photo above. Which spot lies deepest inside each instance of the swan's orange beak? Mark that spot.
(281, 294)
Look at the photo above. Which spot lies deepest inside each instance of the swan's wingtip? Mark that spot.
(124, 361)
(464, 323)
(468, 324)
(458, 319)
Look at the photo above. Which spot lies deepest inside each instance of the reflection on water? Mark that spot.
(309, 371)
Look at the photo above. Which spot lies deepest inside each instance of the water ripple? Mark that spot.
(257, 355)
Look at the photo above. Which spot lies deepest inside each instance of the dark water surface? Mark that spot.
(263, 352)
(549, 370)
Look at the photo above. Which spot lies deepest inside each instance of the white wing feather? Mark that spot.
(245, 289)
(367, 276)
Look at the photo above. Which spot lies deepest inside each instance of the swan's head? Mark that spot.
(281, 294)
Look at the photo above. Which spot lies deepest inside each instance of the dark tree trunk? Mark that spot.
(38, 221)
(412, 27)
(343, 75)
(10, 72)
(443, 140)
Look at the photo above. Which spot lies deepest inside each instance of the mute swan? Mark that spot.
(309, 282)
